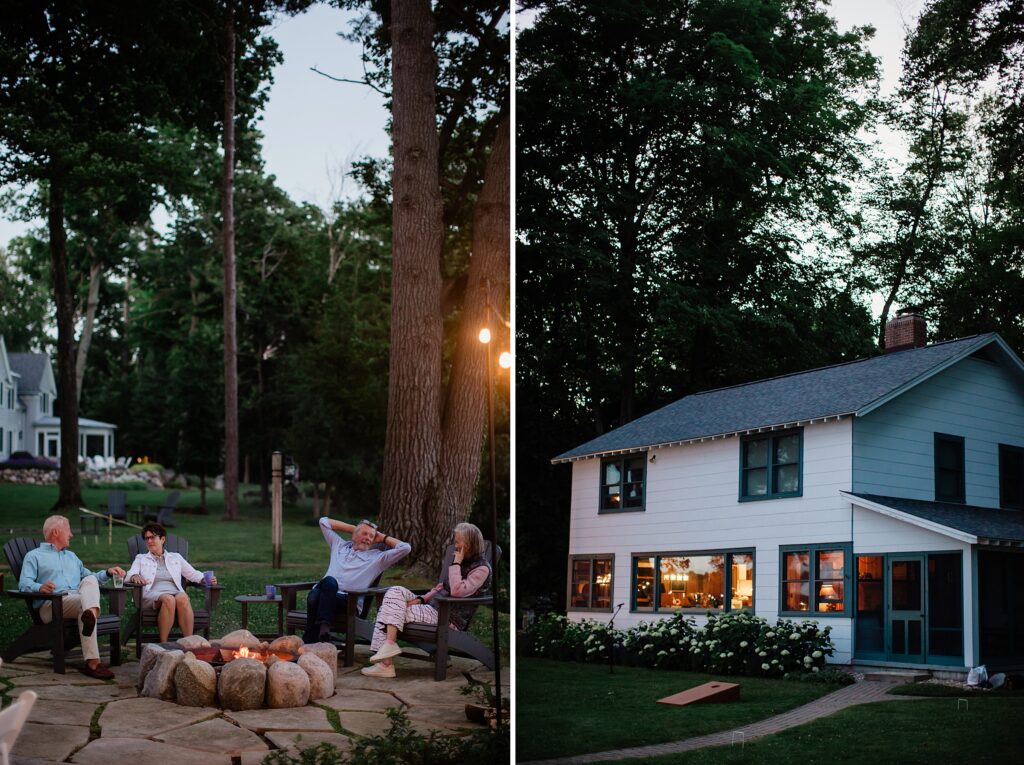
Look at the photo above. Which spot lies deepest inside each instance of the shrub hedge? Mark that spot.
(734, 643)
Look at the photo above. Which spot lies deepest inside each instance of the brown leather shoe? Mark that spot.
(100, 672)
(88, 623)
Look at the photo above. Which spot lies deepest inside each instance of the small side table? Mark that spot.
(245, 600)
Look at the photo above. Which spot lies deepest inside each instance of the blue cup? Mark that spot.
(271, 592)
(207, 578)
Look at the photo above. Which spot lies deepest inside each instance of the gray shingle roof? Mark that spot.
(30, 366)
(986, 523)
(825, 392)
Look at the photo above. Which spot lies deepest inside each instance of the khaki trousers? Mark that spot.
(75, 603)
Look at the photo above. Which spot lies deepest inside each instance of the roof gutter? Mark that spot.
(702, 439)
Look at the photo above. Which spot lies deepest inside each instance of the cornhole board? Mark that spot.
(709, 693)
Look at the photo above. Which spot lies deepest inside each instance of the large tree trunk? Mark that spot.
(465, 408)
(230, 341)
(412, 441)
(70, 491)
(95, 277)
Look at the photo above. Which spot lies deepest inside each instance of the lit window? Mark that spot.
(814, 579)
(590, 583)
(697, 581)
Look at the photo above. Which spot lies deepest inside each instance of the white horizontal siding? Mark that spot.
(692, 503)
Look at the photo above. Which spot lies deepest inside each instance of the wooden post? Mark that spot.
(110, 530)
(275, 505)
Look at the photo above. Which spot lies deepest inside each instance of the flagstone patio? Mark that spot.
(69, 707)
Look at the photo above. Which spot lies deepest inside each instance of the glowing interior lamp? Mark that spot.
(827, 591)
(745, 588)
(485, 335)
(505, 360)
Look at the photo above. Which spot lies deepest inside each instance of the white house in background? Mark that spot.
(884, 497)
(27, 423)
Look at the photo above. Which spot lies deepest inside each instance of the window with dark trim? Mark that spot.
(590, 582)
(771, 466)
(814, 579)
(622, 484)
(949, 468)
(693, 580)
(1011, 477)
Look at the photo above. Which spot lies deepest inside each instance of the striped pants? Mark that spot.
(394, 611)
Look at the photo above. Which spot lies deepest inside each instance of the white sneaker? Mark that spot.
(386, 651)
(379, 670)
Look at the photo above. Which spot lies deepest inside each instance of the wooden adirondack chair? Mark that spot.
(116, 507)
(60, 635)
(147, 617)
(353, 622)
(164, 515)
(440, 640)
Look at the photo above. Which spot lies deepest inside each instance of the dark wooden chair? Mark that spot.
(440, 640)
(352, 622)
(116, 507)
(147, 617)
(60, 636)
(164, 515)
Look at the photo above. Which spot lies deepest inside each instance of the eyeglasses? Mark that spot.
(149, 536)
(365, 522)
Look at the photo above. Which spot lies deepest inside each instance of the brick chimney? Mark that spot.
(907, 330)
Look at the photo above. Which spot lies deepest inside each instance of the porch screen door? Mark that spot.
(906, 608)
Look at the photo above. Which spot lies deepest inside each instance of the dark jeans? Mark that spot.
(323, 601)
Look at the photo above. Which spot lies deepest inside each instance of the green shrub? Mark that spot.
(148, 467)
(828, 676)
(663, 644)
(401, 745)
(131, 485)
(734, 643)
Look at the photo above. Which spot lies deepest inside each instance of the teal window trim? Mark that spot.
(592, 558)
(771, 466)
(961, 489)
(849, 584)
(1011, 498)
(622, 461)
(656, 588)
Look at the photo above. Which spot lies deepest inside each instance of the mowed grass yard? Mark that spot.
(566, 708)
(240, 552)
(927, 731)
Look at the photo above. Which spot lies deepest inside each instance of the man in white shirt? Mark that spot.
(354, 565)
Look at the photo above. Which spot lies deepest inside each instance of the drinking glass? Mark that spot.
(118, 581)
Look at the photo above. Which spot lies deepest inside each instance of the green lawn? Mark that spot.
(240, 552)
(922, 732)
(566, 708)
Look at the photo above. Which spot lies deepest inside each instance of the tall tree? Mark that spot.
(680, 172)
(129, 60)
(412, 445)
(433, 449)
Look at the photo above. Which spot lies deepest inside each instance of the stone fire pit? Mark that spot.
(239, 672)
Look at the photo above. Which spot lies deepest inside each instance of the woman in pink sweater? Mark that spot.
(468, 574)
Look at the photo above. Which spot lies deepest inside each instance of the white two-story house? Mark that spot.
(28, 390)
(883, 496)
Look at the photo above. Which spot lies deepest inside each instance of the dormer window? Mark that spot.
(771, 466)
(949, 468)
(622, 484)
(44, 404)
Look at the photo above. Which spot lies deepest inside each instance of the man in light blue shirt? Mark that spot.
(354, 565)
(52, 567)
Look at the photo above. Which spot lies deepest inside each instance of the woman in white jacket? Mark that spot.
(161, 573)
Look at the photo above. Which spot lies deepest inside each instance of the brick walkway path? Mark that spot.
(859, 693)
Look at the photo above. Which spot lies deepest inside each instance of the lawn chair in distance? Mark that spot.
(115, 507)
